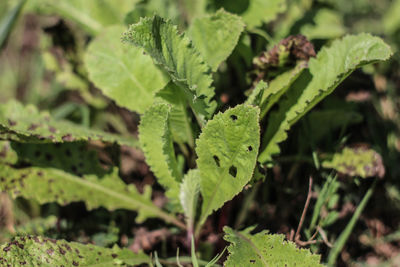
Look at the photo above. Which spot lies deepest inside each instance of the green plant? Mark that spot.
(202, 154)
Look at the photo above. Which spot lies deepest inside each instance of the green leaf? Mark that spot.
(156, 142)
(26, 124)
(91, 15)
(327, 24)
(360, 162)
(74, 157)
(278, 86)
(179, 117)
(42, 251)
(123, 72)
(175, 53)
(190, 189)
(8, 21)
(391, 19)
(7, 154)
(227, 151)
(264, 249)
(215, 36)
(331, 66)
(257, 93)
(261, 11)
(47, 185)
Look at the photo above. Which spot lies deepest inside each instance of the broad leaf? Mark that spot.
(327, 25)
(215, 36)
(360, 162)
(190, 189)
(175, 53)
(264, 249)
(331, 66)
(227, 151)
(261, 11)
(122, 72)
(42, 251)
(91, 15)
(51, 185)
(156, 142)
(26, 124)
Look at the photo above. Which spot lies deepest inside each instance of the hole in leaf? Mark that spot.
(233, 171)
(250, 148)
(216, 159)
(234, 117)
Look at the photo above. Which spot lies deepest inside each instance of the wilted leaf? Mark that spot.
(42, 251)
(264, 249)
(359, 161)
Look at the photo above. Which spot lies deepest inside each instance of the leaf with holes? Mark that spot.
(264, 249)
(359, 161)
(26, 124)
(331, 66)
(174, 52)
(122, 72)
(216, 35)
(227, 151)
(156, 141)
(31, 250)
(47, 185)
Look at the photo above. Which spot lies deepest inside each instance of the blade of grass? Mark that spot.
(341, 241)
(8, 22)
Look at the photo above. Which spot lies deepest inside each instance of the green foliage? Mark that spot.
(123, 72)
(8, 21)
(175, 54)
(189, 194)
(156, 141)
(26, 124)
(215, 36)
(264, 249)
(331, 66)
(52, 185)
(41, 251)
(360, 161)
(227, 150)
(327, 24)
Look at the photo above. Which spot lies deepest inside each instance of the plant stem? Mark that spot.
(341, 241)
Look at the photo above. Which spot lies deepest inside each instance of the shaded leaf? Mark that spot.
(26, 124)
(359, 161)
(123, 72)
(331, 66)
(227, 151)
(42, 251)
(8, 21)
(47, 185)
(7, 154)
(264, 249)
(156, 141)
(215, 36)
(175, 53)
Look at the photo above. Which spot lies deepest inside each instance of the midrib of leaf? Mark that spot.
(167, 217)
(253, 246)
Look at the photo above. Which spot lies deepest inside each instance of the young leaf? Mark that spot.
(257, 93)
(331, 66)
(47, 185)
(190, 189)
(174, 52)
(123, 72)
(261, 11)
(156, 141)
(264, 249)
(360, 161)
(215, 36)
(26, 124)
(42, 251)
(227, 151)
